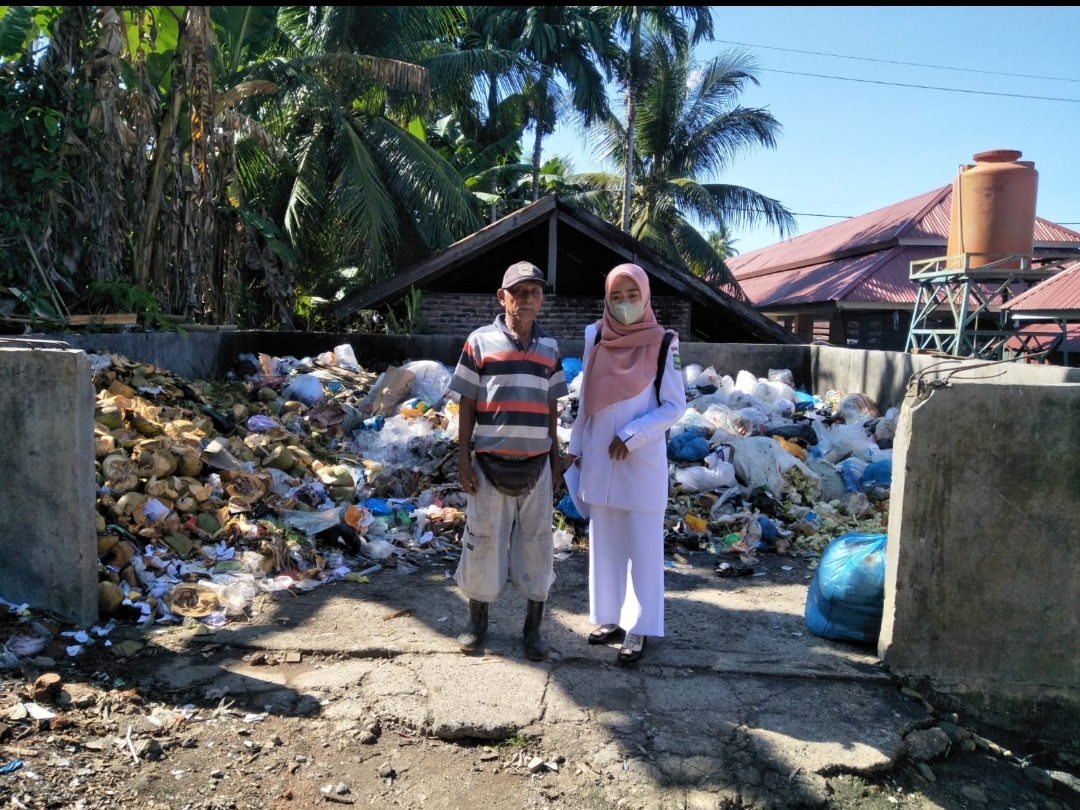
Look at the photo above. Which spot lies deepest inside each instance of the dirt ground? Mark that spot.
(119, 739)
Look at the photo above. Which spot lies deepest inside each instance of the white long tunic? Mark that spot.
(627, 499)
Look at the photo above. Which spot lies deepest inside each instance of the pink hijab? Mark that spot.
(623, 364)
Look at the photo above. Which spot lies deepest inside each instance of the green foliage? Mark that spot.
(122, 296)
(33, 127)
(412, 323)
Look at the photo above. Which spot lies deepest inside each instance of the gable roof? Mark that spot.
(864, 259)
(578, 249)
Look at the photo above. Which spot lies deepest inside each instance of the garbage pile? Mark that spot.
(297, 472)
(758, 466)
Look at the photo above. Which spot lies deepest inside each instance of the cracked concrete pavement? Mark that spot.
(738, 697)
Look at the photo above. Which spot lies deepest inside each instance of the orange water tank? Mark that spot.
(993, 208)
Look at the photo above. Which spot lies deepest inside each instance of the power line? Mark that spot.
(895, 62)
(923, 86)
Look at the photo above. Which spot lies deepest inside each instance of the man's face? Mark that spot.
(522, 301)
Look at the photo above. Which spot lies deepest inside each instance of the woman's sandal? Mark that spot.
(631, 650)
(605, 633)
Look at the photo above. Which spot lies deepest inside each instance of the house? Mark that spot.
(848, 283)
(576, 250)
(1048, 318)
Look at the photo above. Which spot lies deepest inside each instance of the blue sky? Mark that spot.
(848, 147)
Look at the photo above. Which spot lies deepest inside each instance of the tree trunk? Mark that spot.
(628, 174)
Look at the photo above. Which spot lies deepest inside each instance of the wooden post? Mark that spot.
(553, 249)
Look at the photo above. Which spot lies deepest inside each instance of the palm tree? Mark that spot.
(689, 129)
(721, 240)
(684, 27)
(361, 184)
(571, 42)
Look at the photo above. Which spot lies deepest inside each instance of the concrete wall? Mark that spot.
(48, 550)
(982, 600)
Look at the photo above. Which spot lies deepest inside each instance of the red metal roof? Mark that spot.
(1058, 294)
(866, 258)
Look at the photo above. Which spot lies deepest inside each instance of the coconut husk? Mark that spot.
(156, 464)
(103, 445)
(191, 599)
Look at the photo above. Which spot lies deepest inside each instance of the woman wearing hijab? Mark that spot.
(629, 397)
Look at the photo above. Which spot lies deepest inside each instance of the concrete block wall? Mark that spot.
(458, 314)
(47, 538)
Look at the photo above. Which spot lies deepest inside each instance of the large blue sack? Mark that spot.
(847, 593)
(571, 367)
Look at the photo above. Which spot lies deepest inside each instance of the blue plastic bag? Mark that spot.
(689, 445)
(877, 479)
(847, 593)
(377, 506)
(571, 367)
(566, 506)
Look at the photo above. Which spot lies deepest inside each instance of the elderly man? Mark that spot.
(509, 378)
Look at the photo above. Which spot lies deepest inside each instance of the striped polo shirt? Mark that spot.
(513, 388)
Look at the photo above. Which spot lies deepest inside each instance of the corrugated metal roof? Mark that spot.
(1058, 294)
(890, 282)
(882, 225)
(818, 282)
(924, 218)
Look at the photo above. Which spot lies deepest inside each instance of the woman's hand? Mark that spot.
(617, 449)
(569, 461)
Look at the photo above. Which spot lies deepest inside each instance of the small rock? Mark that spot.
(276, 741)
(217, 773)
(967, 744)
(149, 750)
(47, 687)
(973, 794)
(367, 737)
(1052, 805)
(951, 729)
(994, 748)
(926, 772)
(981, 742)
(1040, 778)
(386, 771)
(536, 765)
(923, 745)
(257, 659)
(488, 757)
(293, 657)
(341, 789)
(300, 758)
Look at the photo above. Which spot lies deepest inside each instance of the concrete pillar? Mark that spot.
(982, 582)
(48, 546)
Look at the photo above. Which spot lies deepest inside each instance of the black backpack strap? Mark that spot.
(661, 361)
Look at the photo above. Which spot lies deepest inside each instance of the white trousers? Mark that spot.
(626, 569)
(507, 535)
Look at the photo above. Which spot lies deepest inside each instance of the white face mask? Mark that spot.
(627, 313)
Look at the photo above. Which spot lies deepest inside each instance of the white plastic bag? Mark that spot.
(745, 381)
(691, 373)
(346, 358)
(432, 381)
(757, 463)
(703, 479)
(306, 388)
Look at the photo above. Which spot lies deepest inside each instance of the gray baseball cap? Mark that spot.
(522, 271)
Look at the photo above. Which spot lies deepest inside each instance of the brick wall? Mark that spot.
(457, 314)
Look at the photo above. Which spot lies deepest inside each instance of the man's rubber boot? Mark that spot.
(473, 637)
(536, 646)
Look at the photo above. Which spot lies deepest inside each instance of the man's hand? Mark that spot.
(617, 449)
(467, 477)
(556, 472)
